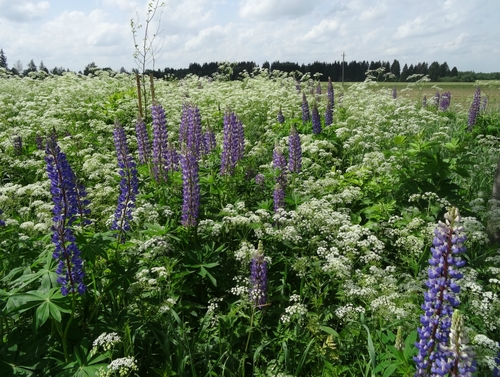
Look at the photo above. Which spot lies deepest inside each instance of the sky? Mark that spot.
(73, 33)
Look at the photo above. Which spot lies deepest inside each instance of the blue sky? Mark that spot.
(71, 33)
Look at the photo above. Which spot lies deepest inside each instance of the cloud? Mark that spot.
(322, 31)
(23, 11)
(123, 5)
(266, 10)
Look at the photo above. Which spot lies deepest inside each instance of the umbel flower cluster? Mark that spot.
(67, 197)
(440, 345)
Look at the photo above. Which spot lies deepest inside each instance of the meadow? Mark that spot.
(260, 227)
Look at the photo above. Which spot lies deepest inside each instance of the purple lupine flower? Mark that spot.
(437, 97)
(306, 115)
(294, 151)
(281, 118)
(209, 142)
(457, 358)
(129, 185)
(2, 223)
(484, 104)
(18, 144)
(190, 188)
(82, 203)
(297, 86)
(440, 299)
(233, 143)
(316, 121)
(496, 370)
(160, 142)
(64, 195)
(190, 135)
(172, 158)
(330, 93)
(143, 145)
(444, 103)
(424, 101)
(39, 142)
(474, 109)
(318, 89)
(394, 92)
(259, 179)
(328, 114)
(258, 278)
(279, 163)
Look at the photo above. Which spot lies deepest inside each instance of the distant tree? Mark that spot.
(90, 68)
(411, 70)
(43, 68)
(444, 70)
(434, 71)
(18, 66)
(404, 73)
(396, 68)
(123, 70)
(266, 65)
(3, 60)
(31, 68)
(454, 72)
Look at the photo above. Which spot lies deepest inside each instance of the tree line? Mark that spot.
(353, 71)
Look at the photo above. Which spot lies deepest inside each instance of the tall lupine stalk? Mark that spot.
(190, 135)
(190, 188)
(233, 144)
(160, 144)
(281, 118)
(474, 109)
(209, 142)
(444, 103)
(258, 278)
(316, 120)
(18, 144)
(306, 115)
(437, 98)
(64, 195)
(329, 104)
(294, 151)
(394, 92)
(129, 185)
(280, 166)
(143, 145)
(2, 223)
(424, 101)
(440, 299)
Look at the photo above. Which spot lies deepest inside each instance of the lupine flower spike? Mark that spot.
(190, 188)
(306, 115)
(128, 184)
(281, 118)
(143, 146)
(2, 223)
(474, 109)
(233, 144)
(316, 120)
(279, 163)
(160, 143)
(258, 278)
(294, 151)
(440, 299)
(70, 265)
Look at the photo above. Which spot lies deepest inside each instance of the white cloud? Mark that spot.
(274, 9)
(123, 5)
(322, 31)
(22, 10)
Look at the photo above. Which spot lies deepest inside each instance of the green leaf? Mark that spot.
(329, 330)
(42, 314)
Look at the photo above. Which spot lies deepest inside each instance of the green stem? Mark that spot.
(65, 334)
(248, 342)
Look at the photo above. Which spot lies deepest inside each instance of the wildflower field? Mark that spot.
(263, 227)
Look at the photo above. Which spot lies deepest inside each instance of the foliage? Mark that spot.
(346, 256)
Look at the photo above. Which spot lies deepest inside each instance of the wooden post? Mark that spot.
(138, 80)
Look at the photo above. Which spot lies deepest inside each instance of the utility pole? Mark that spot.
(343, 56)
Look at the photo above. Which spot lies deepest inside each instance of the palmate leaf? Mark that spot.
(48, 303)
(21, 355)
(83, 363)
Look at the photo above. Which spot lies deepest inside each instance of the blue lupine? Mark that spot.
(484, 104)
(279, 163)
(259, 179)
(64, 195)
(330, 93)
(424, 101)
(190, 188)
(316, 120)
(2, 223)
(18, 144)
(209, 142)
(444, 103)
(128, 184)
(474, 109)
(190, 135)
(306, 115)
(258, 278)
(281, 118)
(394, 92)
(39, 142)
(233, 143)
(440, 299)
(143, 145)
(160, 143)
(328, 114)
(496, 370)
(437, 98)
(294, 152)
